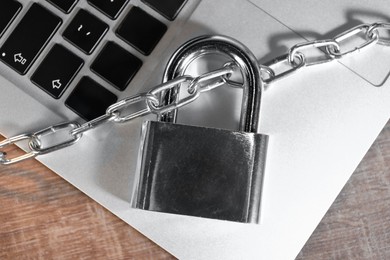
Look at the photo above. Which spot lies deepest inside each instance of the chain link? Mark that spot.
(276, 69)
(269, 68)
(35, 142)
(375, 28)
(116, 110)
(296, 51)
(371, 39)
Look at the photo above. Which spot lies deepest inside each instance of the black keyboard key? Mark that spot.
(141, 30)
(111, 8)
(89, 99)
(116, 65)
(64, 5)
(8, 11)
(85, 31)
(29, 38)
(57, 70)
(167, 8)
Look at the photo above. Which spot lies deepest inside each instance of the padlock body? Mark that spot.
(202, 172)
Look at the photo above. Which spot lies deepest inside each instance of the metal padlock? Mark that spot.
(200, 171)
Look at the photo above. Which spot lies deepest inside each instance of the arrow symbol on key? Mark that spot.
(18, 57)
(56, 84)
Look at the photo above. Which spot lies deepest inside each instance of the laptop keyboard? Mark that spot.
(117, 66)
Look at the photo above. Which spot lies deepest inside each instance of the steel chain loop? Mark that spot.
(120, 112)
(277, 62)
(374, 28)
(118, 108)
(34, 141)
(297, 49)
(371, 39)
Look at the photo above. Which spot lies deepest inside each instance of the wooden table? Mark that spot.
(44, 217)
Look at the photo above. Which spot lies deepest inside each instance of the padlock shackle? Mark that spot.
(232, 49)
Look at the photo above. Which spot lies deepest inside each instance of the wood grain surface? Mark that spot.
(44, 217)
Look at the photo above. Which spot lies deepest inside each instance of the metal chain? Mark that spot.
(332, 49)
(120, 112)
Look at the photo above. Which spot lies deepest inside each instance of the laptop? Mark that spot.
(321, 120)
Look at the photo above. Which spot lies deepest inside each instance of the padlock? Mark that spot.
(202, 171)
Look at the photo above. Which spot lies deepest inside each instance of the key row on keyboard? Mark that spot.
(112, 8)
(85, 32)
(60, 66)
(139, 29)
